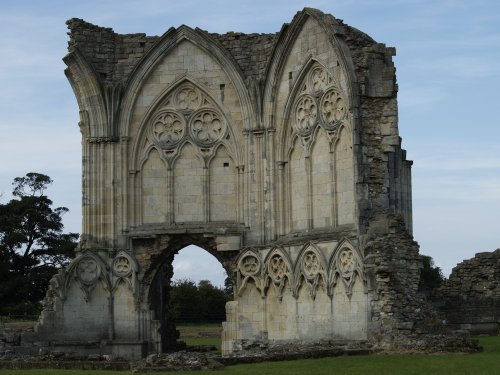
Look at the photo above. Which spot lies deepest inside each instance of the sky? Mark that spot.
(448, 73)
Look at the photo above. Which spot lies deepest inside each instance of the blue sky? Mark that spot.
(448, 72)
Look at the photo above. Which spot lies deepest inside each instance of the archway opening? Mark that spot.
(190, 290)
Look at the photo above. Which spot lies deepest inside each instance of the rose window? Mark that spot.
(168, 129)
(207, 127)
(305, 114)
(333, 108)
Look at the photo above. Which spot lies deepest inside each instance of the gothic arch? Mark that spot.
(288, 35)
(346, 264)
(87, 270)
(331, 108)
(172, 38)
(178, 117)
(278, 271)
(310, 270)
(124, 269)
(249, 269)
(89, 95)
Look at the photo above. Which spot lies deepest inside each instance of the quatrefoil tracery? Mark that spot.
(187, 113)
(319, 103)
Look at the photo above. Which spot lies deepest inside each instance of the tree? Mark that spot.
(191, 303)
(431, 276)
(32, 245)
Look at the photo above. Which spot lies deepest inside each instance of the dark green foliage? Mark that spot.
(431, 276)
(197, 303)
(32, 245)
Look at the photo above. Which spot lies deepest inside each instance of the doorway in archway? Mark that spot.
(189, 293)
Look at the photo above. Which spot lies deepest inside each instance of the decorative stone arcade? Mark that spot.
(277, 153)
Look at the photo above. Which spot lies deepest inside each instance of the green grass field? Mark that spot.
(201, 334)
(485, 363)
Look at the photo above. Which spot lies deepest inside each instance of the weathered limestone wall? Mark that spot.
(470, 297)
(277, 153)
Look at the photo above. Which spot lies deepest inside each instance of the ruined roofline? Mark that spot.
(114, 56)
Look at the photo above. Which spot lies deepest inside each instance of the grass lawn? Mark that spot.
(485, 363)
(201, 334)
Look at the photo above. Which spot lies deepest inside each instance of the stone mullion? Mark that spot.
(333, 185)
(93, 193)
(279, 195)
(170, 195)
(111, 316)
(287, 212)
(240, 192)
(124, 183)
(271, 189)
(101, 191)
(112, 195)
(248, 179)
(259, 172)
(86, 188)
(136, 191)
(308, 193)
(206, 194)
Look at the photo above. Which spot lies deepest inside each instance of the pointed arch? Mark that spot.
(178, 116)
(87, 270)
(346, 264)
(88, 92)
(124, 268)
(249, 270)
(168, 41)
(278, 271)
(310, 269)
(288, 35)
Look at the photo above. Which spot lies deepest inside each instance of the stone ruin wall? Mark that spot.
(470, 298)
(301, 188)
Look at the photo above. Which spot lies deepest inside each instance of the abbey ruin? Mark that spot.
(277, 153)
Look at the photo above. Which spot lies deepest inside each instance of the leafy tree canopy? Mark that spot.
(431, 276)
(32, 245)
(191, 303)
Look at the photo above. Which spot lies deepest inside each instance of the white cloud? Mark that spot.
(196, 264)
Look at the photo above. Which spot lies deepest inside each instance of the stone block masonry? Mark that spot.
(277, 153)
(470, 297)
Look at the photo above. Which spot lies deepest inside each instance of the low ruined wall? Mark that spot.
(470, 298)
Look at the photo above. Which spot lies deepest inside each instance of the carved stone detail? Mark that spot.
(167, 129)
(187, 113)
(122, 266)
(207, 127)
(187, 97)
(249, 266)
(276, 268)
(346, 266)
(86, 272)
(278, 272)
(306, 112)
(319, 103)
(310, 270)
(333, 109)
(249, 269)
(310, 265)
(319, 79)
